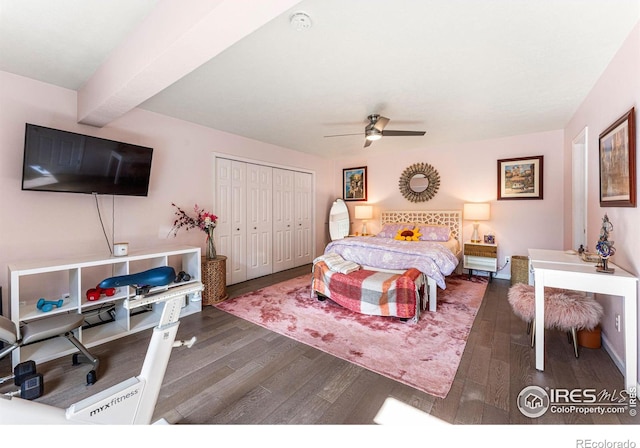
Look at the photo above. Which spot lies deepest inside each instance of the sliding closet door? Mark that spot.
(303, 215)
(283, 219)
(238, 254)
(265, 218)
(224, 211)
(259, 220)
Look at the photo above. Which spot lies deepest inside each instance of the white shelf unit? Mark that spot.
(70, 279)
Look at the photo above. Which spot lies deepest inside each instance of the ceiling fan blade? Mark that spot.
(367, 142)
(381, 123)
(402, 133)
(342, 135)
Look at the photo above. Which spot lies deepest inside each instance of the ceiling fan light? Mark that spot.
(372, 134)
(373, 137)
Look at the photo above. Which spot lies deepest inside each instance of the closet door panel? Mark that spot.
(224, 210)
(238, 258)
(303, 212)
(283, 220)
(259, 220)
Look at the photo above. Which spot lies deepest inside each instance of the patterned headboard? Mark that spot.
(451, 218)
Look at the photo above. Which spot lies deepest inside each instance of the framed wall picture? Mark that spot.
(520, 178)
(618, 163)
(354, 184)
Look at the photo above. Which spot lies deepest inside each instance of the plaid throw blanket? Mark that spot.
(335, 262)
(371, 292)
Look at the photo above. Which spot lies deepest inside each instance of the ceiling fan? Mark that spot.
(375, 130)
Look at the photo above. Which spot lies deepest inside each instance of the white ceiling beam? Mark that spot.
(175, 39)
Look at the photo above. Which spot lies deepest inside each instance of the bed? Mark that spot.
(435, 257)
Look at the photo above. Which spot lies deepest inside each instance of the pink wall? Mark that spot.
(617, 91)
(468, 173)
(42, 226)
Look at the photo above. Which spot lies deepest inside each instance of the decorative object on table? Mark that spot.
(589, 257)
(476, 212)
(520, 178)
(364, 212)
(204, 221)
(354, 184)
(604, 247)
(489, 238)
(618, 163)
(419, 182)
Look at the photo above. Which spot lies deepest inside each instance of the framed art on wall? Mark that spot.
(618, 163)
(354, 184)
(520, 178)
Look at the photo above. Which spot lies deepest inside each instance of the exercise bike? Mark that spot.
(132, 401)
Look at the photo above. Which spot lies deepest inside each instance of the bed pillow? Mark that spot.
(390, 230)
(434, 233)
(408, 234)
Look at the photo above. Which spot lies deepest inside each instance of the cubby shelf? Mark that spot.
(70, 279)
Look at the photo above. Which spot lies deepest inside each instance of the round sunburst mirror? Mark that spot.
(419, 182)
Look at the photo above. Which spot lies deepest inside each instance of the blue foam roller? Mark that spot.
(153, 277)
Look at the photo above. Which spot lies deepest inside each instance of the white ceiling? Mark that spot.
(462, 70)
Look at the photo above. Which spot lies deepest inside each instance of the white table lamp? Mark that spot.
(476, 212)
(364, 212)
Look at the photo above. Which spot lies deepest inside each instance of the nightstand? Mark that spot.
(480, 257)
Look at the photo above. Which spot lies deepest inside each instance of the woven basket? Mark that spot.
(519, 269)
(214, 279)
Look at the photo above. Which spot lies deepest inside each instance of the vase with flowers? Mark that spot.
(202, 220)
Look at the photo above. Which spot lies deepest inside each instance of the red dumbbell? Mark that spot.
(95, 293)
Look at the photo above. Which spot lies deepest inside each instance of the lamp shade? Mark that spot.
(364, 211)
(476, 212)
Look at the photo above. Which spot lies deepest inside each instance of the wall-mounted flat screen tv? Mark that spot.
(56, 160)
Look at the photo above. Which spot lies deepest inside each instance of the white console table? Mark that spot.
(559, 269)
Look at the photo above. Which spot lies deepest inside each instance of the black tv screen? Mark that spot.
(56, 160)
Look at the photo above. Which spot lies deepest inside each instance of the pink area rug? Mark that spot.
(424, 355)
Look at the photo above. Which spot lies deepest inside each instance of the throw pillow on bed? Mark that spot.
(435, 233)
(407, 234)
(390, 230)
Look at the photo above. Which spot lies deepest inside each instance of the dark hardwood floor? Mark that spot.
(240, 373)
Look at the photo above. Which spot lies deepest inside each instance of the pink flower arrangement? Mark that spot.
(203, 220)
